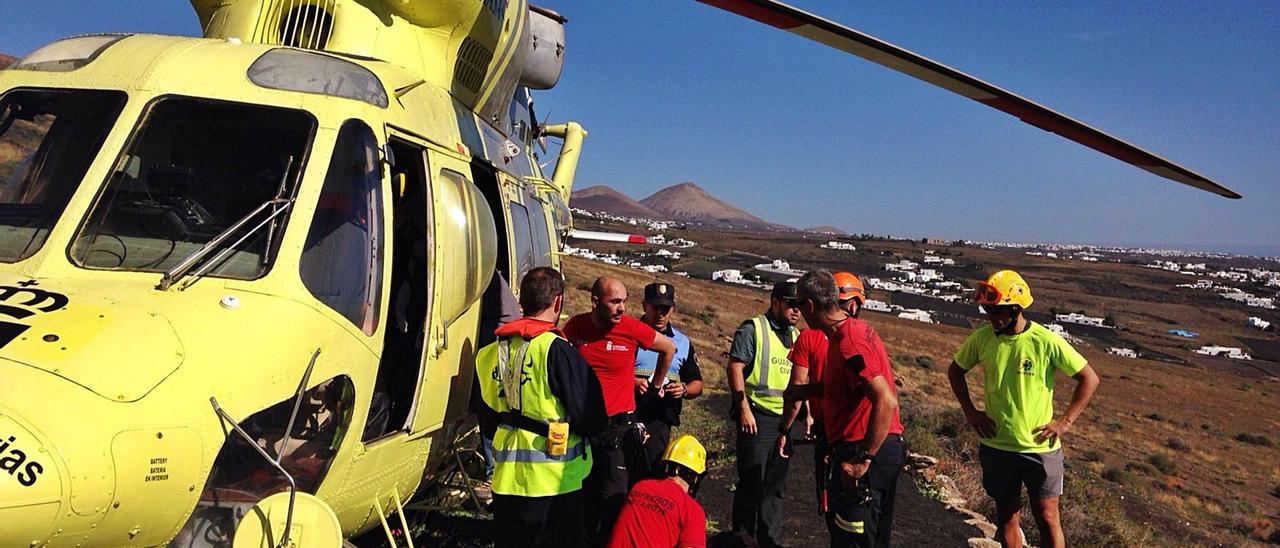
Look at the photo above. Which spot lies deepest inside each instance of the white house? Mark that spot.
(901, 266)
(1081, 319)
(1122, 352)
(1228, 351)
(917, 315)
(730, 275)
(1257, 322)
(877, 306)
(843, 246)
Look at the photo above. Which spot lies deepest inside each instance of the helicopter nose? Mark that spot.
(31, 486)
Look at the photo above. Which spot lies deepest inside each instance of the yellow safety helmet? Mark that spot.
(687, 452)
(1005, 287)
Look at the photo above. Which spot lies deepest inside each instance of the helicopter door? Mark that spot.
(409, 301)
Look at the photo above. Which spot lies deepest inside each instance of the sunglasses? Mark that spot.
(792, 303)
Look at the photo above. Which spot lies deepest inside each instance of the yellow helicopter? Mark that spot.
(241, 276)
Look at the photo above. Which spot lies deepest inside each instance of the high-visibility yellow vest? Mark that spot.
(513, 376)
(771, 370)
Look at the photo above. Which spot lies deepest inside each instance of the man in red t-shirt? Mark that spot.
(608, 338)
(662, 513)
(809, 355)
(860, 409)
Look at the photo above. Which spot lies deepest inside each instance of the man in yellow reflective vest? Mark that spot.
(544, 400)
(758, 373)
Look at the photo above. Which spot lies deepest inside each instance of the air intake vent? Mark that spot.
(473, 63)
(306, 24)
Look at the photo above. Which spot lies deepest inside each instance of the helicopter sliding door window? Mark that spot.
(541, 233)
(195, 169)
(409, 294)
(47, 140)
(341, 263)
(467, 239)
(521, 241)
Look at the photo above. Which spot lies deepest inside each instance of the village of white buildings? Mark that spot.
(925, 277)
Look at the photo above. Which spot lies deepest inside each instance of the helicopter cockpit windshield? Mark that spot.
(47, 140)
(194, 168)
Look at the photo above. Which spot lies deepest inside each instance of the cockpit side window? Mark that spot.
(341, 262)
(197, 170)
(48, 138)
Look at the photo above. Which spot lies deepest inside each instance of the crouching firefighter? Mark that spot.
(662, 512)
(544, 401)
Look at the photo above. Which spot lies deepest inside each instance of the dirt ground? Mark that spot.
(919, 521)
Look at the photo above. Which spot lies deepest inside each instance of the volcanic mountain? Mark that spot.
(6, 60)
(601, 198)
(688, 202)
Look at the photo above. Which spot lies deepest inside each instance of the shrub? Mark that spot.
(1177, 444)
(1118, 475)
(1155, 417)
(707, 315)
(1091, 455)
(1141, 468)
(1255, 439)
(1164, 463)
(924, 361)
(1115, 426)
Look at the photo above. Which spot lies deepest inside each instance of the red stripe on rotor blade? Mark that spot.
(636, 239)
(1075, 132)
(753, 11)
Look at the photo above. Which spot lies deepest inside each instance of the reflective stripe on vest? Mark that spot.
(534, 455)
(771, 370)
(522, 466)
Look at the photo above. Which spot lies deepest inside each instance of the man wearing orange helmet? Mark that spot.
(809, 355)
(860, 412)
(1020, 438)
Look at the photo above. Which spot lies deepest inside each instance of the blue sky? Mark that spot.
(676, 91)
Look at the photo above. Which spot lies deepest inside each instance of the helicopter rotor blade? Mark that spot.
(835, 35)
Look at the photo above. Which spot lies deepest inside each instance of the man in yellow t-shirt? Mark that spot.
(1020, 438)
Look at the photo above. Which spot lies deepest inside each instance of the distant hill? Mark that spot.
(688, 202)
(6, 60)
(601, 198)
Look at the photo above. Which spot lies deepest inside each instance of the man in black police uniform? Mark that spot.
(658, 413)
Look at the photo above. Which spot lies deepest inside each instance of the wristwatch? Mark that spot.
(862, 455)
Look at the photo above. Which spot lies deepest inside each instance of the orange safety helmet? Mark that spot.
(850, 287)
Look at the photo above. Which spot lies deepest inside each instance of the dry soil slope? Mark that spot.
(601, 198)
(6, 60)
(690, 203)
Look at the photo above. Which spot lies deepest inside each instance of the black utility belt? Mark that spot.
(517, 420)
(622, 419)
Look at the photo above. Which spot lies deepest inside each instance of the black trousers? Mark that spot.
(607, 485)
(538, 521)
(651, 467)
(820, 454)
(762, 482)
(871, 504)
